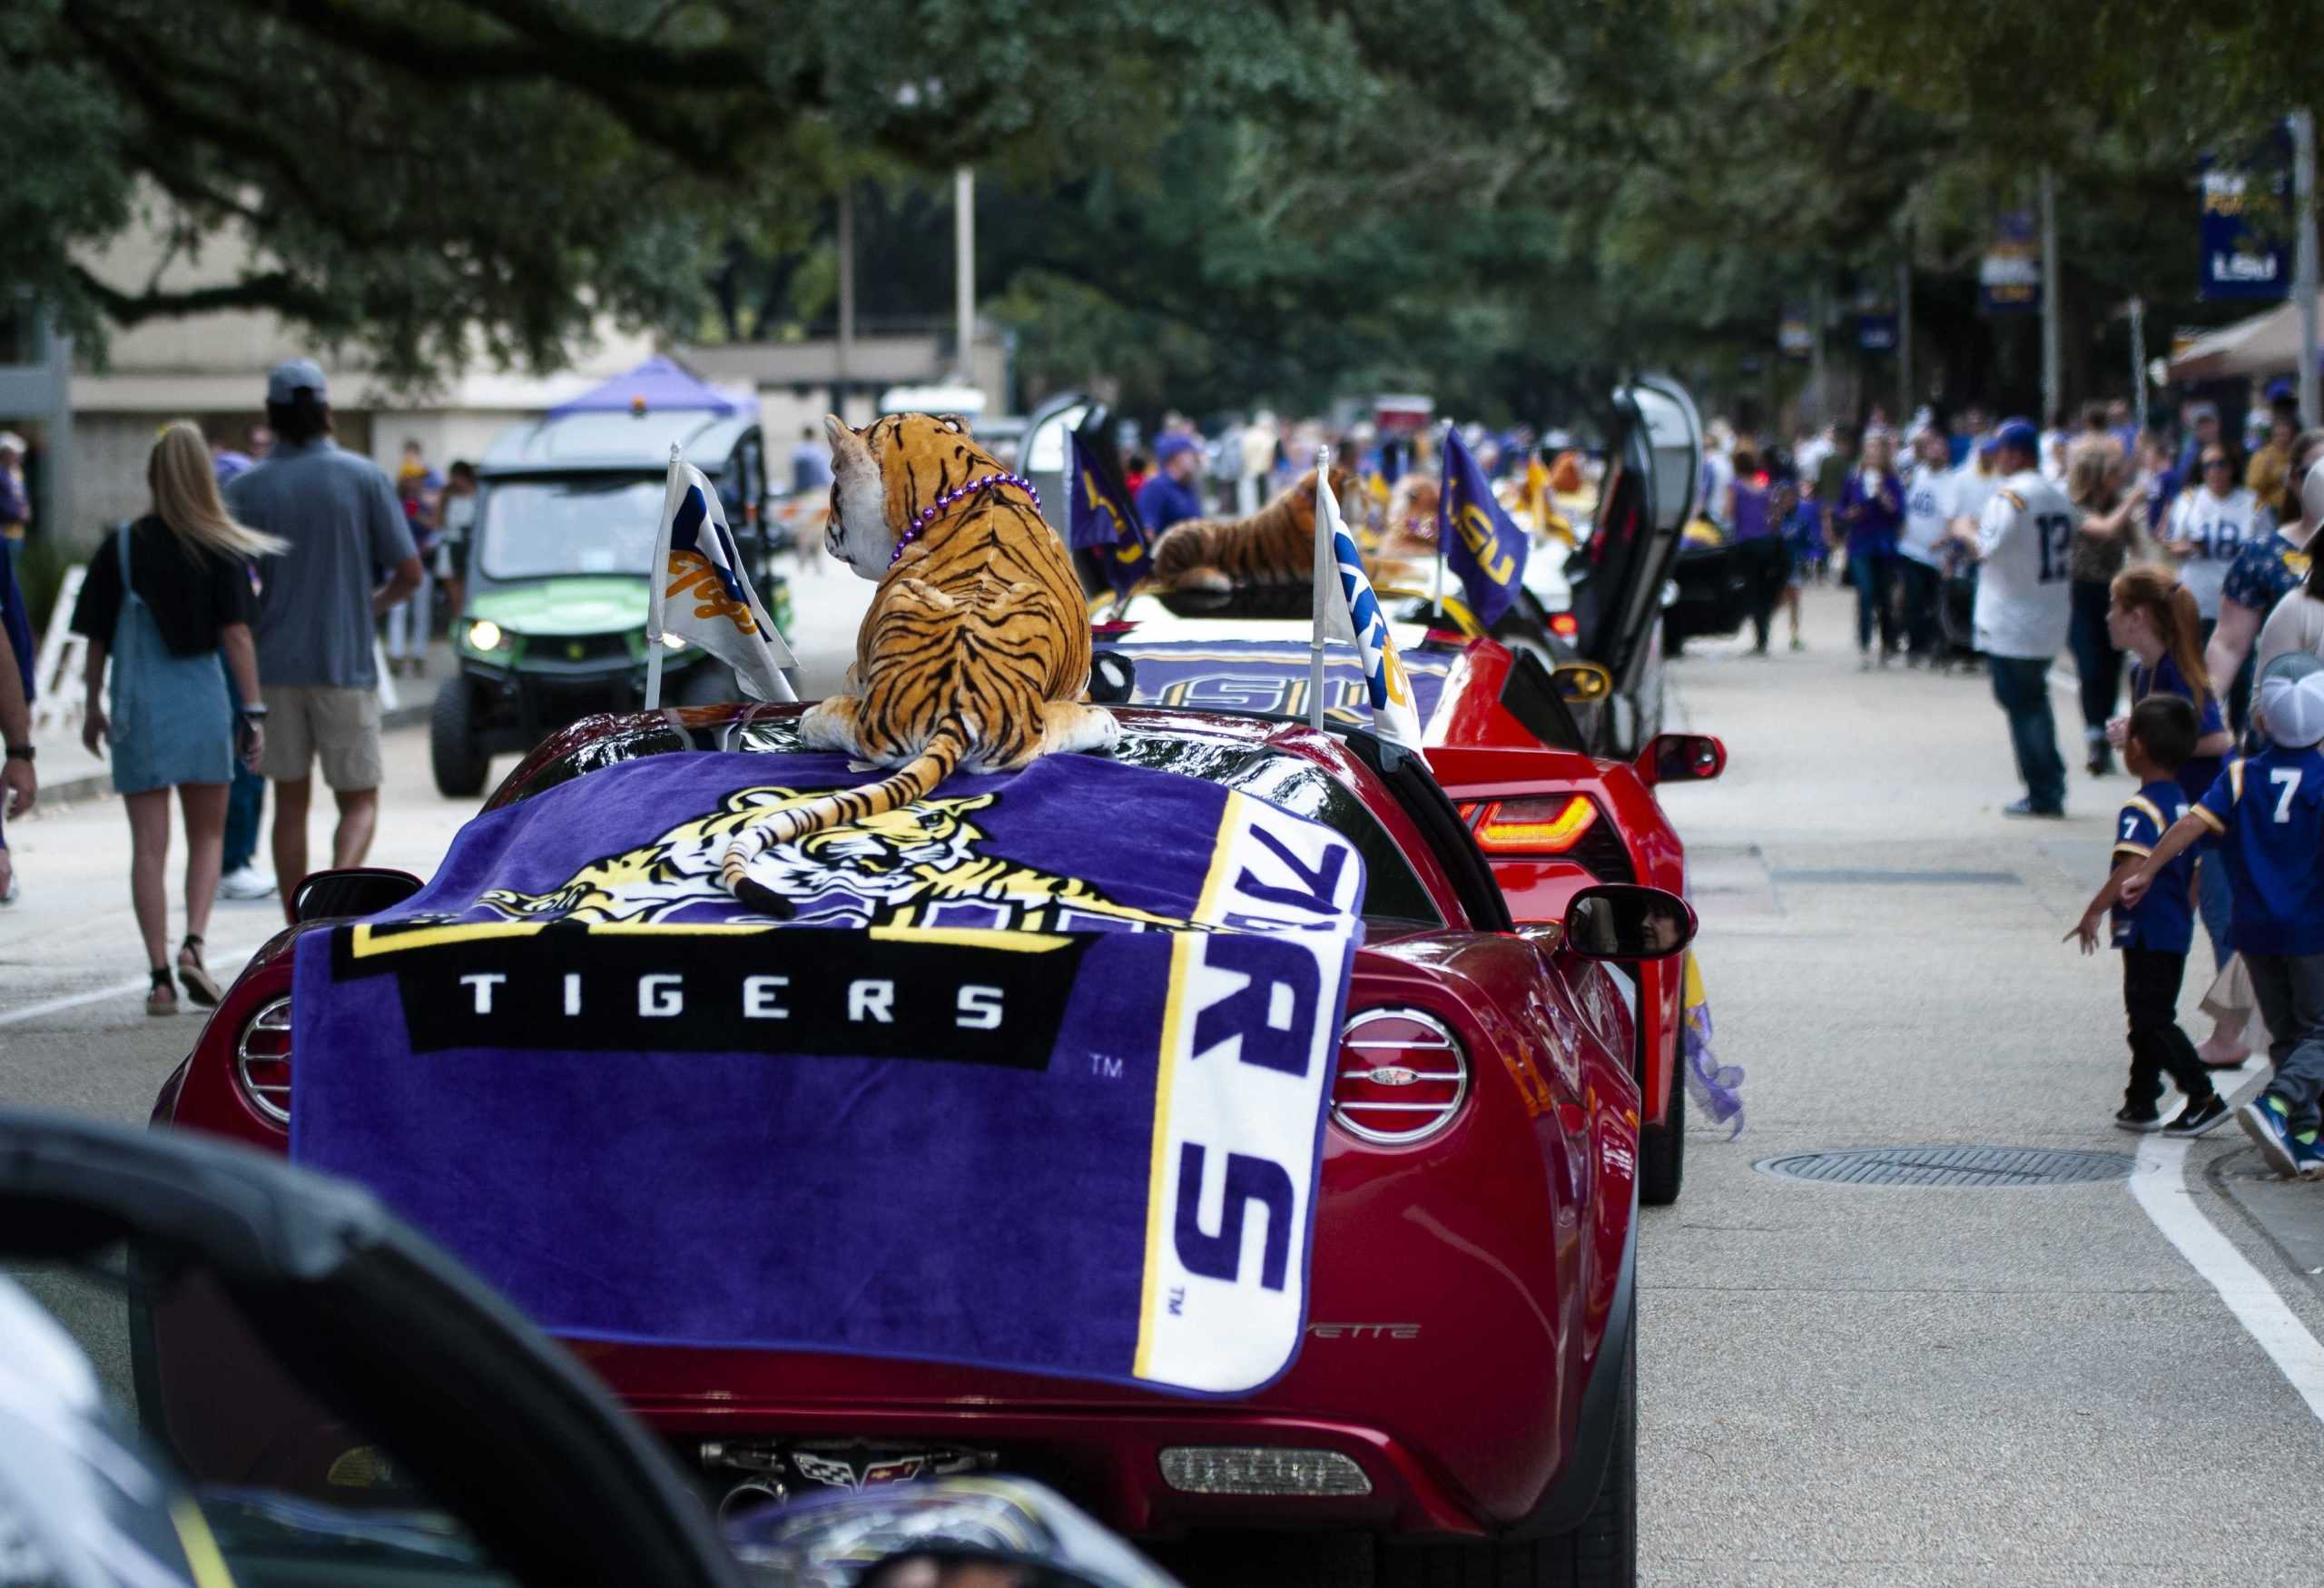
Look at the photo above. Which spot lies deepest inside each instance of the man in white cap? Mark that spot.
(2266, 813)
(317, 604)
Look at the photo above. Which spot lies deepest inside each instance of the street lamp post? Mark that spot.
(1904, 407)
(2304, 286)
(2138, 359)
(1815, 374)
(2051, 396)
(964, 268)
(843, 366)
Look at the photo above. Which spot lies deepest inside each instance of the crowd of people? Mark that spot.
(2171, 567)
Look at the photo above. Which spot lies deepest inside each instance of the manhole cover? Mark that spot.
(1949, 1166)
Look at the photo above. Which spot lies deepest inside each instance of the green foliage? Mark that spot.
(1503, 201)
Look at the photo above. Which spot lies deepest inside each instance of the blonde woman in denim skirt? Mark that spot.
(168, 600)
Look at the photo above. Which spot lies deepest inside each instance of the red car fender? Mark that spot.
(1537, 888)
(1609, 1115)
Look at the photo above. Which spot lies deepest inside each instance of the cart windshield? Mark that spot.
(573, 524)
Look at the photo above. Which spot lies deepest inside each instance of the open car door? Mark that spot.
(1653, 474)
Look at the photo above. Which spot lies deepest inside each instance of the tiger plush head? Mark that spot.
(885, 474)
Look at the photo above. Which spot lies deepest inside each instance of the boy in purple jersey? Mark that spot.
(2267, 815)
(2155, 933)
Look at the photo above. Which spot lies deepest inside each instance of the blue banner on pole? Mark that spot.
(2245, 225)
(2009, 276)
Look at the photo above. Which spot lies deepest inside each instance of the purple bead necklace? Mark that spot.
(929, 513)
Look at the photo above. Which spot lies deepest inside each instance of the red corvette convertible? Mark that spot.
(1463, 1396)
(1550, 818)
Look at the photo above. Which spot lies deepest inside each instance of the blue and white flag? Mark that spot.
(999, 1050)
(1483, 545)
(1351, 612)
(701, 592)
(1100, 519)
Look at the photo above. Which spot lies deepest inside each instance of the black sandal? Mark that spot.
(200, 985)
(161, 998)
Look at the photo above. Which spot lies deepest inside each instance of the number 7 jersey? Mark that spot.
(2268, 811)
(2025, 588)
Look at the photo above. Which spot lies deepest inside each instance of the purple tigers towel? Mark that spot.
(1035, 1079)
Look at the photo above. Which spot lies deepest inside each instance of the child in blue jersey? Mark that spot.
(2155, 933)
(2266, 813)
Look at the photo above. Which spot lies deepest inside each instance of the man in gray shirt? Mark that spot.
(316, 603)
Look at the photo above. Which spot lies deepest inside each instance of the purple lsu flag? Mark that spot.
(1100, 519)
(1483, 545)
(1010, 1090)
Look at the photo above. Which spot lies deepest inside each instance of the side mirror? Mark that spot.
(357, 890)
(1581, 682)
(1680, 758)
(1620, 921)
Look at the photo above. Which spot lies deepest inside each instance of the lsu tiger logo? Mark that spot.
(916, 866)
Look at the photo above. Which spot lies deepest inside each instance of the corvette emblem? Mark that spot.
(1392, 1075)
(833, 1472)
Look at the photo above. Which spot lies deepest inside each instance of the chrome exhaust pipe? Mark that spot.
(749, 1494)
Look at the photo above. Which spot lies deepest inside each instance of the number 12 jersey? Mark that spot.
(2025, 549)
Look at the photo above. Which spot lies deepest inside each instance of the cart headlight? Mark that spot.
(673, 642)
(485, 636)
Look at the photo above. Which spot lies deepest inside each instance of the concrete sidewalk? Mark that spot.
(68, 773)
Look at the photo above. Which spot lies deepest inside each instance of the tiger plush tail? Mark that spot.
(907, 782)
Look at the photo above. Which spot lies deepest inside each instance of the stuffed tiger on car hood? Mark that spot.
(975, 654)
(1274, 545)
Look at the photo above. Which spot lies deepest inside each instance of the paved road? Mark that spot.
(1840, 1387)
(1875, 1385)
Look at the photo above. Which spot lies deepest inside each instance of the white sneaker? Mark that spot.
(250, 883)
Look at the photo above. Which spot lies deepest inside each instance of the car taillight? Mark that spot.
(1402, 1076)
(1552, 825)
(1564, 624)
(262, 1061)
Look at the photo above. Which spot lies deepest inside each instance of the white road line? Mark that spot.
(236, 957)
(2160, 1185)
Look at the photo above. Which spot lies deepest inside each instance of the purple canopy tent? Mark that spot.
(659, 385)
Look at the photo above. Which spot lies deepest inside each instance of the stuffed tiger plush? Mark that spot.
(975, 651)
(1274, 545)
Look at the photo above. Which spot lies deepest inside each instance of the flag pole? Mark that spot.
(1443, 484)
(658, 570)
(1326, 576)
